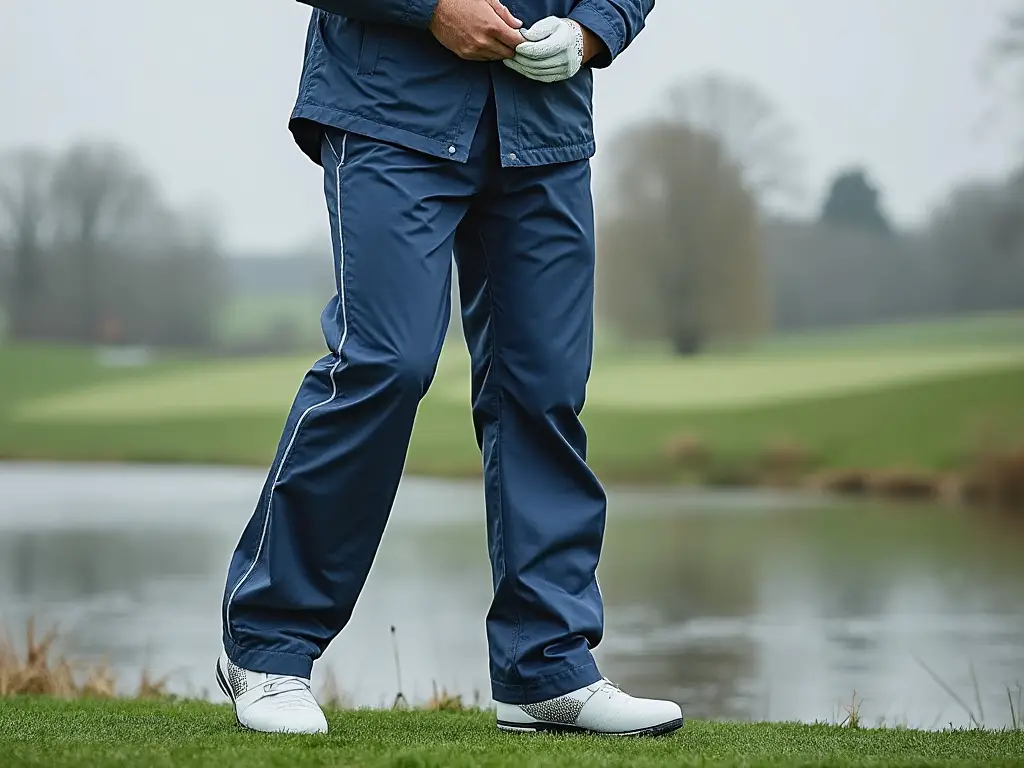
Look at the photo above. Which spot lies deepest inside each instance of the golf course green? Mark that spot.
(921, 396)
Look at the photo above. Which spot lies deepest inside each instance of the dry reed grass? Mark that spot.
(844, 482)
(39, 670)
(687, 452)
(906, 484)
(443, 701)
(997, 479)
(785, 462)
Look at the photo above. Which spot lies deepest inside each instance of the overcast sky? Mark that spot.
(201, 91)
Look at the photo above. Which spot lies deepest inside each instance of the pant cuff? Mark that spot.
(547, 687)
(268, 662)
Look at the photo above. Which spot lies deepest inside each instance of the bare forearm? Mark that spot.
(592, 45)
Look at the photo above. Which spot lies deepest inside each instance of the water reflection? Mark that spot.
(742, 606)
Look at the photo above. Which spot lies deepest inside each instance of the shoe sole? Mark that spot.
(522, 728)
(664, 729)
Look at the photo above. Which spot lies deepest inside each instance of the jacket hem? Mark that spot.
(441, 148)
(347, 121)
(550, 155)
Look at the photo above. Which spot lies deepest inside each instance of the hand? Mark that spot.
(555, 49)
(478, 30)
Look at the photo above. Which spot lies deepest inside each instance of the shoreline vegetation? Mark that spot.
(994, 479)
(39, 670)
(931, 412)
(56, 713)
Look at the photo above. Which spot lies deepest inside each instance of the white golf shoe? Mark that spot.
(601, 708)
(270, 703)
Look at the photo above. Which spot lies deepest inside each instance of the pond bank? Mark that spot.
(906, 438)
(745, 605)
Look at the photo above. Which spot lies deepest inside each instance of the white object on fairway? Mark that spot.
(553, 50)
(270, 703)
(601, 708)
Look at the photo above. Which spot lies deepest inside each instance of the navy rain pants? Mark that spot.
(523, 238)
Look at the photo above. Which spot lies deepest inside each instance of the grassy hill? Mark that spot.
(918, 396)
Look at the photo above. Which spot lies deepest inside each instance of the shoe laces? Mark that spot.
(285, 684)
(610, 689)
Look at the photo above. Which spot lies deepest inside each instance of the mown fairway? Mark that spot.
(910, 396)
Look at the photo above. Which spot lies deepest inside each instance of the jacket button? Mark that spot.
(513, 157)
(452, 150)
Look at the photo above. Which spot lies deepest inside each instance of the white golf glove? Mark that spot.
(553, 50)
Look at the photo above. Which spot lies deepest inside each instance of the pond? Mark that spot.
(749, 606)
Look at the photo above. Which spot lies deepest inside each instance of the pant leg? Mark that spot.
(305, 554)
(526, 268)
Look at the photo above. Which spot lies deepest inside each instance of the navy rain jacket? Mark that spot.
(372, 67)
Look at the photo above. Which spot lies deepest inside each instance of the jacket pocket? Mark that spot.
(369, 50)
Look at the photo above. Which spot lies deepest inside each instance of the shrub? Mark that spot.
(784, 462)
(688, 452)
(845, 482)
(906, 484)
(997, 479)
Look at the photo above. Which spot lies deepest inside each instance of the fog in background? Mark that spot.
(201, 91)
(810, 338)
(760, 167)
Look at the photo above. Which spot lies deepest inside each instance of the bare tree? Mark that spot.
(976, 246)
(748, 126)
(1006, 54)
(1007, 48)
(101, 199)
(96, 255)
(681, 255)
(24, 212)
(682, 250)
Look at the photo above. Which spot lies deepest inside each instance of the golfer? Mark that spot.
(445, 126)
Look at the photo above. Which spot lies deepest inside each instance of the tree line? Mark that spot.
(91, 252)
(689, 254)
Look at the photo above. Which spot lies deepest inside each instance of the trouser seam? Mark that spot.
(495, 368)
(291, 448)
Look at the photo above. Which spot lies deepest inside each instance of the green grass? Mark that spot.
(99, 734)
(855, 403)
(980, 329)
(986, 329)
(249, 318)
(928, 425)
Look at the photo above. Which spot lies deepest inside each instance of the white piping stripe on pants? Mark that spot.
(334, 386)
